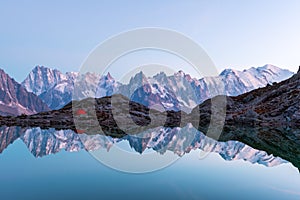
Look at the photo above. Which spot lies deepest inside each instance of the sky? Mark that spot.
(61, 34)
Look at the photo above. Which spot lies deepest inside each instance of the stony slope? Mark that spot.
(15, 100)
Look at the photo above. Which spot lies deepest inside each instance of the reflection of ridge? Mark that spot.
(43, 142)
(178, 140)
(8, 135)
(183, 140)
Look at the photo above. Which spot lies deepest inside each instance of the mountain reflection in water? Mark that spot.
(42, 142)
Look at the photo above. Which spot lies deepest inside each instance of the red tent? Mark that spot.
(81, 112)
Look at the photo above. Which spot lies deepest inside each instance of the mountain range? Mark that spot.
(176, 92)
(45, 88)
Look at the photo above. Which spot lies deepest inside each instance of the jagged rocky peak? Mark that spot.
(109, 77)
(160, 75)
(228, 71)
(106, 86)
(139, 78)
(72, 75)
(106, 78)
(180, 73)
(41, 78)
(2, 72)
(15, 100)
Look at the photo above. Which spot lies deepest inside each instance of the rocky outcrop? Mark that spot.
(15, 100)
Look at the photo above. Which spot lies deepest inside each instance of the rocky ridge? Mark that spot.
(15, 100)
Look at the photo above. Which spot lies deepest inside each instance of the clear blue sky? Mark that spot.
(235, 34)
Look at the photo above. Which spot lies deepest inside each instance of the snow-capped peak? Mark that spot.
(228, 71)
(139, 77)
(109, 77)
(41, 79)
(180, 73)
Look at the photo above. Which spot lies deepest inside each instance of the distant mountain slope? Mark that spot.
(41, 79)
(57, 89)
(177, 92)
(238, 82)
(15, 100)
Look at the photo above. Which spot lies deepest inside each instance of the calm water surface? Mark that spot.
(78, 175)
